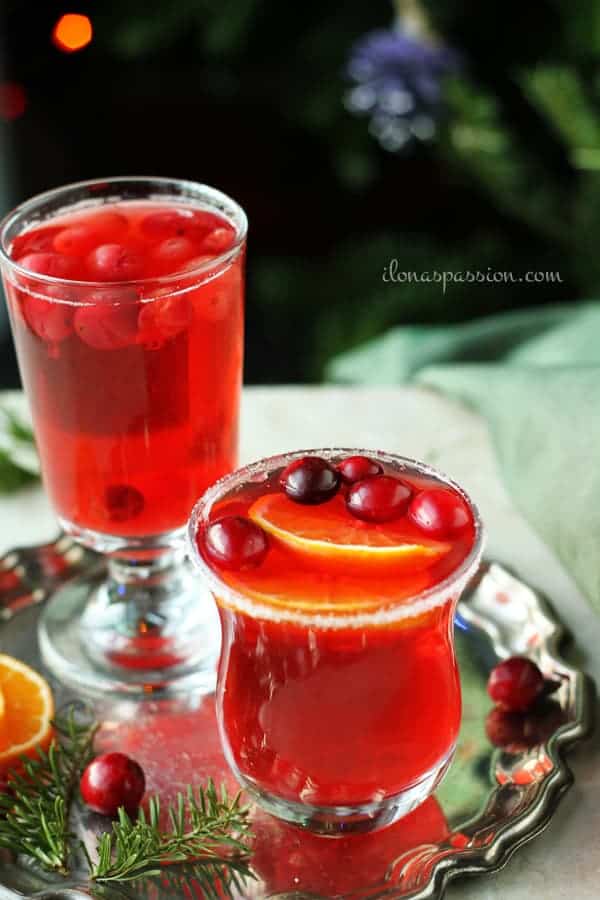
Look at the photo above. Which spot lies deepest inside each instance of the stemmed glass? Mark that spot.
(134, 392)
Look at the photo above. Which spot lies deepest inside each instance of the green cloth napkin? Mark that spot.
(535, 376)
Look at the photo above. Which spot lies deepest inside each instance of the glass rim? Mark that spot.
(28, 206)
(391, 612)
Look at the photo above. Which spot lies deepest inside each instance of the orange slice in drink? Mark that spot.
(28, 707)
(322, 593)
(329, 532)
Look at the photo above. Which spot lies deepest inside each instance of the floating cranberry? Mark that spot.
(439, 512)
(172, 252)
(110, 222)
(54, 264)
(111, 781)
(77, 240)
(218, 241)
(355, 468)
(123, 502)
(51, 321)
(114, 262)
(163, 318)
(515, 683)
(380, 498)
(108, 320)
(38, 240)
(235, 542)
(310, 480)
(204, 223)
(168, 223)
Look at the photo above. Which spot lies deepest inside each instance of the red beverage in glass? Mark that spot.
(134, 380)
(126, 304)
(338, 692)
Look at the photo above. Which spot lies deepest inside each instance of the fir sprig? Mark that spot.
(206, 827)
(34, 813)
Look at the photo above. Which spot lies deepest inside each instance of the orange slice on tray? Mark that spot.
(28, 707)
(332, 533)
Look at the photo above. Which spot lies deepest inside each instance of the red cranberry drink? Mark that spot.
(337, 574)
(126, 304)
(129, 336)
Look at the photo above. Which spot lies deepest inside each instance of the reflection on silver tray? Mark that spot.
(491, 802)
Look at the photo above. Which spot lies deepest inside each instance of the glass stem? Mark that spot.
(146, 589)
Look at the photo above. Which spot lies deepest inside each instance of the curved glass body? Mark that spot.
(339, 720)
(331, 716)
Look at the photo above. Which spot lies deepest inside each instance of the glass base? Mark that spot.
(143, 629)
(337, 821)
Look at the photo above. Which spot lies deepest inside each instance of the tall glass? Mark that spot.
(133, 419)
(339, 721)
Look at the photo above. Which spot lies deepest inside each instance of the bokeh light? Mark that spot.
(13, 100)
(72, 32)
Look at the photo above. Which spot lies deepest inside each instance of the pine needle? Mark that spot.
(34, 817)
(207, 828)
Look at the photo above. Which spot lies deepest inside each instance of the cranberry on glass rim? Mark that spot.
(379, 499)
(355, 468)
(125, 297)
(439, 512)
(235, 542)
(310, 480)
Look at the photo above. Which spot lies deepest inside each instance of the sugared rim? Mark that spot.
(404, 609)
(29, 206)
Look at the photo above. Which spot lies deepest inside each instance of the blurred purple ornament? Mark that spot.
(397, 79)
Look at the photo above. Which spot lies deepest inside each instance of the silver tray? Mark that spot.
(491, 802)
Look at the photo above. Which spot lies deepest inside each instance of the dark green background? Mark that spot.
(248, 95)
